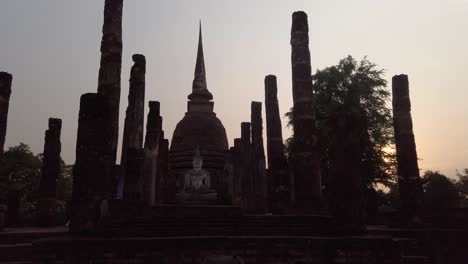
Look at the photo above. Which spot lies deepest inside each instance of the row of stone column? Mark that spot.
(144, 164)
(295, 186)
(254, 188)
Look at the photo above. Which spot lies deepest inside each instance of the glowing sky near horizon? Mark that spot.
(52, 49)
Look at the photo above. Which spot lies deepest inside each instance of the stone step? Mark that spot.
(18, 262)
(16, 252)
(415, 260)
(26, 235)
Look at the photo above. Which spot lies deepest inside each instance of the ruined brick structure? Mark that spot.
(346, 187)
(50, 172)
(252, 217)
(151, 177)
(409, 181)
(134, 118)
(5, 92)
(279, 181)
(200, 128)
(111, 64)
(304, 149)
(94, 162)
(259, 168)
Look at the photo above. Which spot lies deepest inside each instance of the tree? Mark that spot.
(332, 87)
(439, 191)
(20, 170)
(462, 186)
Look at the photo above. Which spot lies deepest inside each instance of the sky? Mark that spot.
(52, 49)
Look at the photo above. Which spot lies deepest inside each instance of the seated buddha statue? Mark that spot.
(196, 188)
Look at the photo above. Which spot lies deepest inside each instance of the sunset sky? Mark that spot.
(52, 49)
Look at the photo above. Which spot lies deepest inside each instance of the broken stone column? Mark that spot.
(150, 172)
(5, 92)
(278, 172)
(134, 171)
(13, 207)
(237, 172)
(228, 175)
(304, 149)
(259, 173)
(93, 167)
(46, 207)
(111, 64)
(134, 117)
(346, 188)
(245, 132)
(409, 181)
(246, 167)
(166, 187)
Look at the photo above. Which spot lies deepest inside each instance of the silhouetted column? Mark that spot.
(245, 132)
(166, 187)
(46, 208)
(5, 92)
(246, 167)
(304, 152)
(117, 182)
(260, 183)
(3, 216)
(134, 171)
(153, 131)
(346, 187)
(134, 117)
(411, 194)
(228, 175)
(94, 163)
(13, 206)
(278, 172)
(111, 64)
(238, 170)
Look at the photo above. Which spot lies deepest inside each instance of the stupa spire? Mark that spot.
(199, 87)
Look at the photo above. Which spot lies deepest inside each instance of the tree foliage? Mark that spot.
(439, 191)
(332, 87)
(462, 186)
(20, 170)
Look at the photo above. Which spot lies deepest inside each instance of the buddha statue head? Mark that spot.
(197, 160)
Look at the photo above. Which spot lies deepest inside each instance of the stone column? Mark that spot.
(228, 175)
(150, 173)
(94, 163)
(111, 64)
(260, 182)
(304, 150)
(166, 187)
(246, 162)
(278, 172)
(13, 206)
(46, 208)
(5, 92)
(411, 194)
(346, 187)
(245, 132)
(238, 170)
(134, 171)
(134, 117)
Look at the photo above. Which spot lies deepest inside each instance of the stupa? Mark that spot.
(200, 129)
